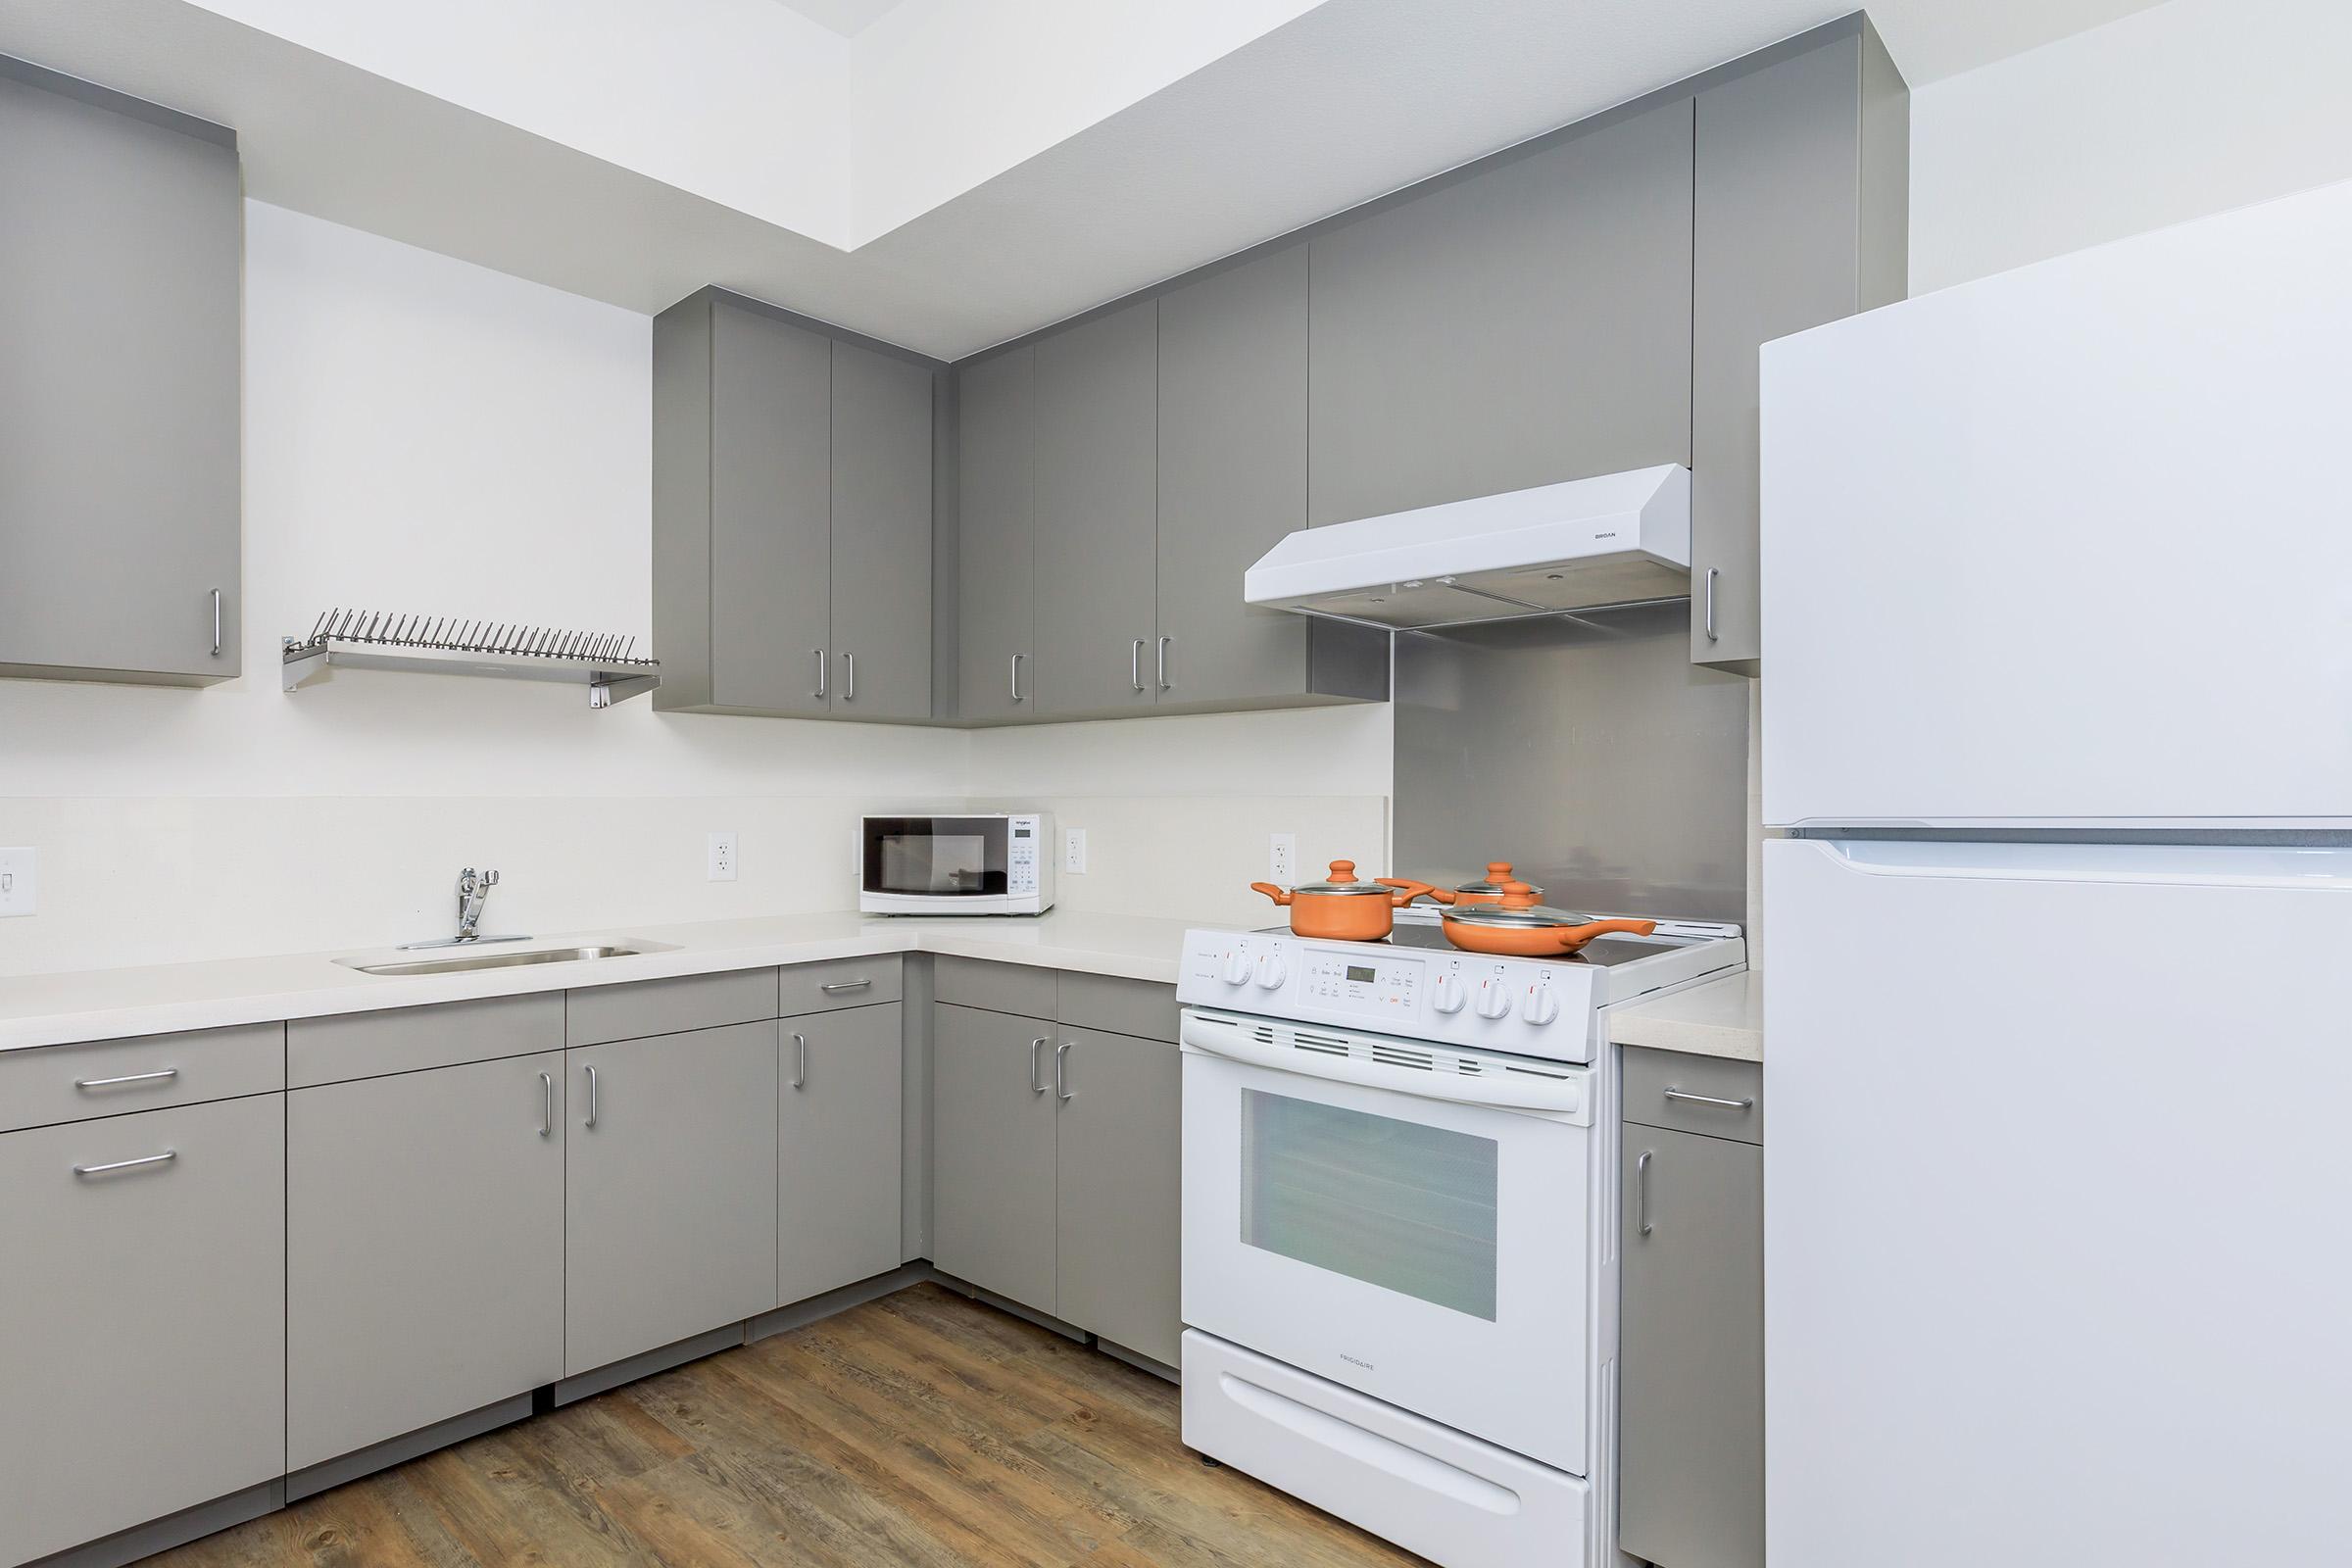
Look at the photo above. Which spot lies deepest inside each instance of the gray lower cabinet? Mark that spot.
(1118, 1208)
(1690, 1491)
(122, 245)
(995, 549)
(142, 1318)
(1098, 400)
(992, 1167)
(1800, 215)
(838, 1154)
(425, 1249)
(671, 1189)
(1524, 323)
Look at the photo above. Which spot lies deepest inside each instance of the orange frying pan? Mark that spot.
(1516, 926)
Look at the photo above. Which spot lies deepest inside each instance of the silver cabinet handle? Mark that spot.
(849, 677)
(799, 1060)
(127, 1078)
(1035, 1047)
(819, 693)
(1641, 1191)
(591, 1096)
(836, 987)
(1061, 1070)
(1712, 573)
(1016, 676)
(546, 1104)
(1710, 1099)
(1163, 662)
(1135, 665)
(164, 1159)
(215, 624)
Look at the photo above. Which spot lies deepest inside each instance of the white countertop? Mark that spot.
(112, 1004)
(1721, 1018)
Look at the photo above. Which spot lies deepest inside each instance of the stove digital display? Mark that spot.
(1361, 973)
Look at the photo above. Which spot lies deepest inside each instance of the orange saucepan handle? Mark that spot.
(1407, 890)
(1573, 936)
(1280, 895)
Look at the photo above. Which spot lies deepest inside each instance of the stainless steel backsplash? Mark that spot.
(1590, 752)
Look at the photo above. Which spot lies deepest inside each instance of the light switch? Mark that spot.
(20, 876)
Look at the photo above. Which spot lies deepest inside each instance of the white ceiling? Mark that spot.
(958, 172)
(849, 18)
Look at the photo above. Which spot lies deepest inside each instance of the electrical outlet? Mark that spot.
(1281, 859)
(722, 855)
(1073, 850)
(19, 881)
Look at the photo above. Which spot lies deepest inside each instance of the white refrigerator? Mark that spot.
(2057, 717)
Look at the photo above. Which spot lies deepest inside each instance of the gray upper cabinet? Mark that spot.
(671, 1190)
(992, 1151)
(1691, 1492)
(792, 517)
(425, 1211)
(142, 1318)
(1098, 402)
(1526, 323)
(839, 1168)
(881, 615)
(121, 237)
(996, 552)
(1118, 1207)
(1802, 216)
(1232, 361)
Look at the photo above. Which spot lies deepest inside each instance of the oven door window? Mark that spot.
(1399, 1204)
(934, 856)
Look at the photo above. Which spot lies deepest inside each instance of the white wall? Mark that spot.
(2187, 108)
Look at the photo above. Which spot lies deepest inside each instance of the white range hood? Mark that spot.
(1617, 539)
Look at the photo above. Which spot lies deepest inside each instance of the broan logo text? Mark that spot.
(1353, 1360)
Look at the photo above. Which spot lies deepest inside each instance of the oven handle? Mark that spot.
(1561, 1098)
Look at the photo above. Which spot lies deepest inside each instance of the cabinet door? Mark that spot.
(1118, 1211)
(838, 1160)
(992, 1151)
(1524, 325)
(1691, 1492)
(881, 615)
(671, 1190)
(995, 556)
(1097, 401)
(121, 246)
(1231, 476)
(425, 1249)
(142, 1318)
(1787, 225)
(771, 499)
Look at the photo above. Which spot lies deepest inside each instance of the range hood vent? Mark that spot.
(1618, 539)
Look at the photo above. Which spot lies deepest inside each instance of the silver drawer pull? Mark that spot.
(591, 1121)
(1036, 1047)
(799, 1060)
(546, 1106)
(1710, 1099)
(1062, 1071)
(129, 1078)
(836, 987)
(164, 1159)
(1641, 1191)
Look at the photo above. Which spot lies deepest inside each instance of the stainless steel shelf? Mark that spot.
(543, 656)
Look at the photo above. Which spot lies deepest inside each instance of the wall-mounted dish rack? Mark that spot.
(363, 639)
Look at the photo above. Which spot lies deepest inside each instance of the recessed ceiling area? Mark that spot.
(951, 173)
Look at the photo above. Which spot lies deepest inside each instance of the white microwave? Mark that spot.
(990, 863)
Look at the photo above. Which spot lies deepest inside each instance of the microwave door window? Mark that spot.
(936, 863)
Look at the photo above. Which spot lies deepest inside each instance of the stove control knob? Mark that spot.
(1237, 967)
(1541, 1006)
(1447, 995)
(1272, 971)
(1493, 1001)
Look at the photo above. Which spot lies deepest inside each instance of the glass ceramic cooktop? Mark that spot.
(1604, 952)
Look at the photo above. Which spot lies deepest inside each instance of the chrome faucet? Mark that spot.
(472, 893)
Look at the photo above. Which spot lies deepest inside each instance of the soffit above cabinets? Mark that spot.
(942, 176)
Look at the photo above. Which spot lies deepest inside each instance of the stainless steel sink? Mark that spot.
(463, 962)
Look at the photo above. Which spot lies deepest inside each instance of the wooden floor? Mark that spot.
(919, 1429)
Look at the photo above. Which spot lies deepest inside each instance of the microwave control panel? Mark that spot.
(1024, 846)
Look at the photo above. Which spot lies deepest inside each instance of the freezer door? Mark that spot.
(2056, 1205)
(2069, 543)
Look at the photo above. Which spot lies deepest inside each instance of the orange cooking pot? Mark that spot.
(1488, 890)
(1516, 926)
(1342, 910)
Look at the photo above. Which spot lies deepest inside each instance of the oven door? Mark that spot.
(926, 862)
(1412, 1222)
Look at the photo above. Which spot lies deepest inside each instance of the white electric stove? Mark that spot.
(1399, 1249)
